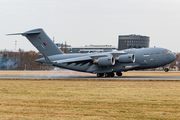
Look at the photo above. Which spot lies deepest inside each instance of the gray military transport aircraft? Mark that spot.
(102, 64)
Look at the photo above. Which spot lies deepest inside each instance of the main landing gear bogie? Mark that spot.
(118, 73)
(109, 74)
(100, 74)
(166, 69)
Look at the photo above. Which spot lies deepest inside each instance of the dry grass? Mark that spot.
(151, 73)
(74, 73)
(68, 99)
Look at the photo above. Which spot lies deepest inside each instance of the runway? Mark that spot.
(56, 77)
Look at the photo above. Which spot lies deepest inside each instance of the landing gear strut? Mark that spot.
(118, 73)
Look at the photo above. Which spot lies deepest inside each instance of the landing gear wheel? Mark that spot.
(166, 69)
(100, 74)
(109, 74)
(118, 73)
(112, 74)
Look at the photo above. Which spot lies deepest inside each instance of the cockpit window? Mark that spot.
(166, 51)
(169, 51)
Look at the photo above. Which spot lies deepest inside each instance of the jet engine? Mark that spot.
(105, 61)
(128, 58)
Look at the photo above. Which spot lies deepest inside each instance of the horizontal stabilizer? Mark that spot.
(15, 34)
(27, 33)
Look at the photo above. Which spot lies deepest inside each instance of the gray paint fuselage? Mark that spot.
(144, 58)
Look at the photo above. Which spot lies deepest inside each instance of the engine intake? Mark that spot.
(128, 58)
(105, 61)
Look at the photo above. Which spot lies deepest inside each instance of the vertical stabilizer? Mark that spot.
(42, 42)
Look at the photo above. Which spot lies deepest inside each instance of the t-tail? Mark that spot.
(42, 42)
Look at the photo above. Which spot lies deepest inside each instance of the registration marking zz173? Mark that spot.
(42, 46)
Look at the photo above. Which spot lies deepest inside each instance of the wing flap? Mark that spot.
(115, 54)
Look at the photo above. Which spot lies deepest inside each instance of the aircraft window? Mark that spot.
(164, 52)
(169, 54)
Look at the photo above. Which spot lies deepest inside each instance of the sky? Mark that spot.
(86, 22)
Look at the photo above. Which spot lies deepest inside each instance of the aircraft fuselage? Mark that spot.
(144, 58)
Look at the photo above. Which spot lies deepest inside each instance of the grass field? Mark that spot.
(68, 99)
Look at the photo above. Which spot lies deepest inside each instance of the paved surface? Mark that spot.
(91, 77)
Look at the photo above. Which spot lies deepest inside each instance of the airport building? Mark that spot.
(89, 48)
(132, 41)
(124, 42)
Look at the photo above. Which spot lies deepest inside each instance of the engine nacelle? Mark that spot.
(128, 58)
(105, 61)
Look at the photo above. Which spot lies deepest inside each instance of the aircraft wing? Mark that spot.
(89, 57)
(116, 54)
(74, 60)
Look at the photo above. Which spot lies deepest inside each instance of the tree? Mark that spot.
(62, 47)
(20, 60)
(3, 61)
(65, 49)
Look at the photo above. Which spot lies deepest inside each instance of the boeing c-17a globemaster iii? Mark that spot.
(102, 64)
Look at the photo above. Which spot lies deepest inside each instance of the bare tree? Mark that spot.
(65, 49)
(21, 60)
(62, 47)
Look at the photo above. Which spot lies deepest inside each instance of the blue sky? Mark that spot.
(85, 22)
